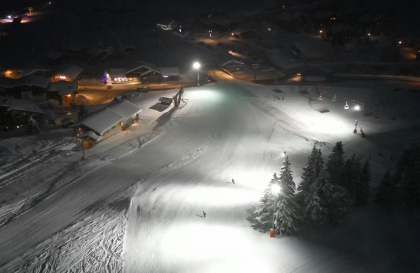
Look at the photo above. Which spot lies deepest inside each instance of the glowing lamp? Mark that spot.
(196, 65)
(275, 189)
(357, 107)
(63, 77)
(9, 16)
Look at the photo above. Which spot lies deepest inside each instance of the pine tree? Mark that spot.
(264, 213)
(407, 179)
(287, 211)
(315, 212)
(32, 126)
(308, 177)
(364, 186)
(83, 112)
(335, 164)
(385, 195)
(352, 181)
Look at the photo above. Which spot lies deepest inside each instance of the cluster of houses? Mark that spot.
(22, 90)
(340, 27)
(39, 85)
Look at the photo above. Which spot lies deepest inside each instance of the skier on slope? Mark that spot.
(204, 214)
(233, 181)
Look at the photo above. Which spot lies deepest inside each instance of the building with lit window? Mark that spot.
(142, 72)
(99, 125)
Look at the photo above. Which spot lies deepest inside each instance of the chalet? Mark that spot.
(64, 92)
(340, 34)
(311, 50)
(324, 18)
(70, 74)
(108, 121)
(14, 113)
(33, 87)
(142, 72)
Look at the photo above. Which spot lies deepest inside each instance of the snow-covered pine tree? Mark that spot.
(335, 164)
(407, 178)
(352, 183)
(308, 177)
(385, 195)
(32, 127)
(287, 211)
(314, 210)
(339, 205)
(264, 212)
(364, 187)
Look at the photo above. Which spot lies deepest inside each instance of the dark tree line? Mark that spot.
(324, 196)
(402, 189)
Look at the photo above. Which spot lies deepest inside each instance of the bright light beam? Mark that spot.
(275, 189)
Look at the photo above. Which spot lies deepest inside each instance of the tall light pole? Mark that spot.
(275, 190)
(196, 66)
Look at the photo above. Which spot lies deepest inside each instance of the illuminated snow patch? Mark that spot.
(229, 195)
(203, 94)
(220, 248)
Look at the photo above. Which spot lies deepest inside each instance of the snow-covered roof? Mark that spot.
(91, 134)
(72, 71)
(313, 48)
(124, 108)
(117, 72)
(20, 105)
(104, 119)
(101, 120)
(169, 71)
(53, 55)
(29, 71)
(7, 82)
(34, 80)
(143, 64)
(63, 87)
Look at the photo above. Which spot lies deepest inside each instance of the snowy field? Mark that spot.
(136, 204)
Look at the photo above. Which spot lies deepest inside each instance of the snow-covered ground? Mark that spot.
(136, 204)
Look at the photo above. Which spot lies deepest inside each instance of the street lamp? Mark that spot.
(196, 65)
(275, 190)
